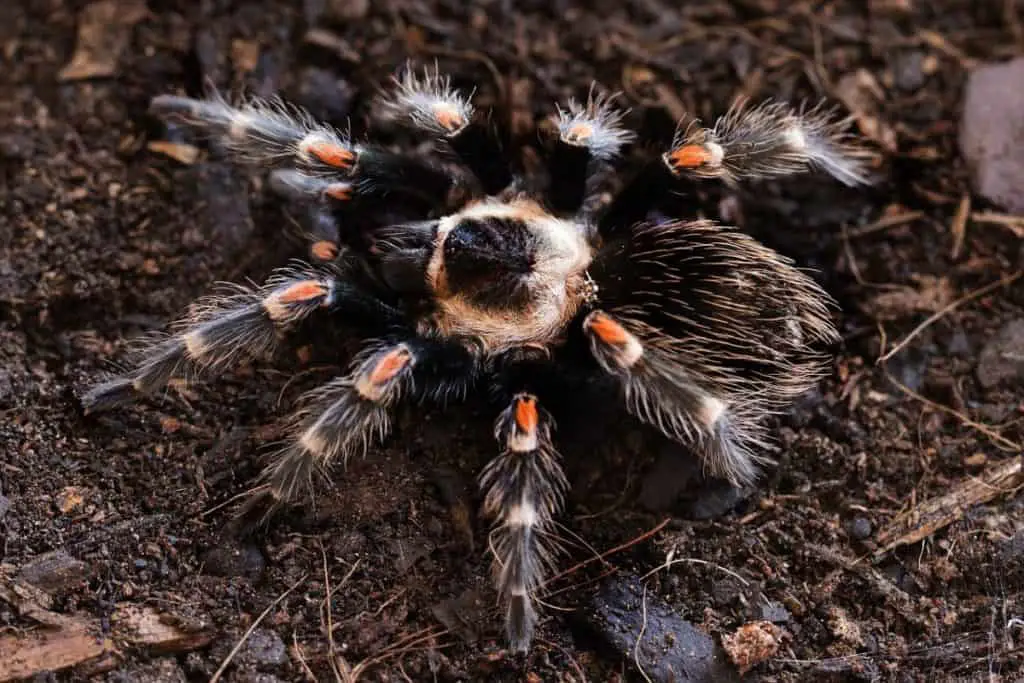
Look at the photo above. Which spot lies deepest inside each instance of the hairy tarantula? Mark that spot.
(510, 283)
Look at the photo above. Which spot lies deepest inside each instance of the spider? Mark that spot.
(467, 276)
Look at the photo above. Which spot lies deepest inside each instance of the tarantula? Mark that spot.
(510, 284)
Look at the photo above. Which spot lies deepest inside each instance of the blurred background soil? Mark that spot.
(887, 544)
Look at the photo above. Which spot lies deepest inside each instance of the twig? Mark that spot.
(1001, 441)
(959, 226)
(937, 513)
(884, 223)
(619, 548)
(331, 649)
(1009, 221)
(568, 655)
(669, 561)
(297, 649)
(640, 636)
(252, 627)
(949, 308)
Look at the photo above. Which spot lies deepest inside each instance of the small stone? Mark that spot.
(774, 612)
(231, 559)
(1002, 359)
(263, 648)
(667, 478)
(671, 649)
(859, 528)
(992, 132)
(324, 95)
(908, 70)
(716, 499)
(54, 571)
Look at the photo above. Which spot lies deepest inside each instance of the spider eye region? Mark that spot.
(492, 253)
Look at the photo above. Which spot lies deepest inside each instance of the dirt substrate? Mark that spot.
(114, 526)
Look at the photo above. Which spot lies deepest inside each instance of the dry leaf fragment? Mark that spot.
(104, 31)
(862, 95)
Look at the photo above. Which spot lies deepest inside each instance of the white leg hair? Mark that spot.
(523, 490)
(768, 141)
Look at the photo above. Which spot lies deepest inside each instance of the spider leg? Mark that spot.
(329, 164)
(660, 392)
(246, 323)
(344, 417)
(429, 103)
(524, 488)
(767, 141)
(763, 142)
(587, 134)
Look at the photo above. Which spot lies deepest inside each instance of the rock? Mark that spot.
(992, 132)
(717, 498)
(774, 612)
(327, 97)
(859, 528)
(672, 649)
(1002, 359)
(908, 70)
(54, 571)
(667, 478)
(231, 559)
(263, 648)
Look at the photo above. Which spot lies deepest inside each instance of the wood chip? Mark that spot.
(64, 641)
(182, 153)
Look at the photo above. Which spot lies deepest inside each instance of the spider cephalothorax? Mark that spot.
(494, 282)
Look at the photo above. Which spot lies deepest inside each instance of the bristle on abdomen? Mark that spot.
(523, 489)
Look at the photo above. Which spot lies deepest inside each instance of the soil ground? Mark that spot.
(103, 240)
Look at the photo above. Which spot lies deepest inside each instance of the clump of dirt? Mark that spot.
(890, 516)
